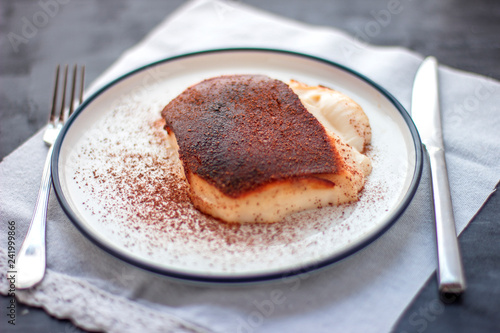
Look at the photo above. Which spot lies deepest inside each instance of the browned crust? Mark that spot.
(240, 132)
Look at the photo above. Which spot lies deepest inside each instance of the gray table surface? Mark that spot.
(461, 34)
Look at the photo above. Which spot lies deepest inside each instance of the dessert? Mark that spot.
(254, 149)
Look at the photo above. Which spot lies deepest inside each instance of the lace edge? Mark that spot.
(61, 296)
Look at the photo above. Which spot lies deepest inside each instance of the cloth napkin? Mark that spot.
(366, 292)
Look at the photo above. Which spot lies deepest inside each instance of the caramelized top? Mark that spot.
(239, 132)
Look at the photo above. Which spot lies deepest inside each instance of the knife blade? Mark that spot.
(427, 118)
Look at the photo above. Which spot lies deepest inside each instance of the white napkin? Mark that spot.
(367, 292)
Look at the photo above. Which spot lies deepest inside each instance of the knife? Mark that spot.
(427, 117)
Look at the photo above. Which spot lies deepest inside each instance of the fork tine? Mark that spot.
(73, 88)
(63, 100)
(54, 97)
(82, 83)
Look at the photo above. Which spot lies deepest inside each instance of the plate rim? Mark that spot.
(249, 278)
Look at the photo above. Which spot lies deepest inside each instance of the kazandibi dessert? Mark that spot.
(255, 149)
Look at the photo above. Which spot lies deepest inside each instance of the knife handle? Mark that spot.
(451, 276)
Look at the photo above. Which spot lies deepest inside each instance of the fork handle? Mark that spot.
(450, 270)
(30, 261)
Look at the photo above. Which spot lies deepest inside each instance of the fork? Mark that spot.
(30, 261)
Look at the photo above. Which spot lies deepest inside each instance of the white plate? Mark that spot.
(115, 180)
